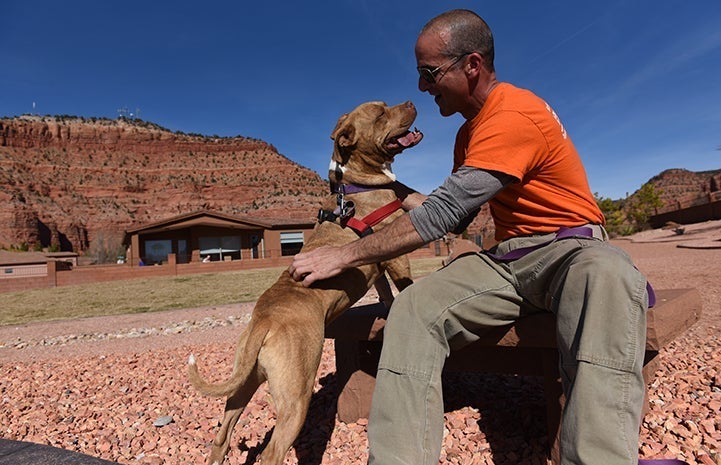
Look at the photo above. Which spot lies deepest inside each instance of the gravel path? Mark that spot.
(99, 385)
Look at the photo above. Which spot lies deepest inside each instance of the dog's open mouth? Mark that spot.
(404, 141)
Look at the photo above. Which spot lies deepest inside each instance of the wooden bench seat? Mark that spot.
(527, 347)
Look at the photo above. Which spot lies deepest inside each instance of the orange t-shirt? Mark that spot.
(518, 134)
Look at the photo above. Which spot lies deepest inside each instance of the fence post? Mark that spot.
(52, 273)
(173, 263)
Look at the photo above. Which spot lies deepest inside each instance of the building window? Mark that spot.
(220, 248)
(183, 255)
(156, 251)
(290, 243)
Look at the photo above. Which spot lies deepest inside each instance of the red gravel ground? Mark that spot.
(97, 386)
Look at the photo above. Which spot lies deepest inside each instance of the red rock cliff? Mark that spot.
(67, 181)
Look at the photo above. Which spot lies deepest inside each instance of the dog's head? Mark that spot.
(368, 138)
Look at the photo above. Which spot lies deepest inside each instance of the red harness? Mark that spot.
(346, 210)
(364, 226)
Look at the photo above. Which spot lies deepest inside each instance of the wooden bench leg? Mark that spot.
(555, 400)
(650, 365)
(357, 363)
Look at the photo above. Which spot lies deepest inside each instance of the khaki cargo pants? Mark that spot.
(600, 303)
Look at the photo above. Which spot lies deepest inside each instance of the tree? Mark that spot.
(106, 247)
(615, 217)
(642, 205)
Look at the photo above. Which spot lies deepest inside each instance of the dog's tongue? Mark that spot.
(410, 138)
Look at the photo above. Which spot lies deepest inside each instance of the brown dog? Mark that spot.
(283, 342)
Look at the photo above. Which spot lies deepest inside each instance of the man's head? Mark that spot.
(454, 54)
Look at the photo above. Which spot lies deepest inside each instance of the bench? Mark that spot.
(527, 347)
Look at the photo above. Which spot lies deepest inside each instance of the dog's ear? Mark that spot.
(344, 132)
(338, 125)
(344, 136)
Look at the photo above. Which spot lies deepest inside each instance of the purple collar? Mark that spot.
(357, 188)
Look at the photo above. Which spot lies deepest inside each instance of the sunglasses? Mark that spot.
(429, 74)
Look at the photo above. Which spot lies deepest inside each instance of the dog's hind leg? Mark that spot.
(234, 407)
(291, 385)
(399, 269)
(383, 287)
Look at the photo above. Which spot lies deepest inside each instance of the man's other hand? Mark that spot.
(318, 264)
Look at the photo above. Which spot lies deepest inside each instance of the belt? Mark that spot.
(563, 233)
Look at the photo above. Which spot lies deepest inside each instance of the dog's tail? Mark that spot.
(246, 357)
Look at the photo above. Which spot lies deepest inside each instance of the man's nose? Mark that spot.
(423, 85)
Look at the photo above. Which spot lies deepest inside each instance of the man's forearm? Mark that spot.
(392, 241)
(410, 197)
(413, 200)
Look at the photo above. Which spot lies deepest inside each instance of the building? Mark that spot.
(211, 236)
(28, 264)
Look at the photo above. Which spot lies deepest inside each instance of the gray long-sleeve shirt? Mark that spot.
(453, 205)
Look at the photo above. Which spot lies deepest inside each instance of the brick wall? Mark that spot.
(23, 284)
(100, 273)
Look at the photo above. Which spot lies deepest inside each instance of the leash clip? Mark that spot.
(344, 211)
(346, 208)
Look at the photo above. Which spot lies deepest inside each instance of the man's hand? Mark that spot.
(397, 238)
(318, 264)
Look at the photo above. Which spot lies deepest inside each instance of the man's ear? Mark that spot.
(474, 65)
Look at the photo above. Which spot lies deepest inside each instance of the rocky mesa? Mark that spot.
(66, 181)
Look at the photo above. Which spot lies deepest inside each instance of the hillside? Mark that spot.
(677, 185)
(68, 181)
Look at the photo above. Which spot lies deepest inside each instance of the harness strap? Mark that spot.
(563, 233)
(364, 226)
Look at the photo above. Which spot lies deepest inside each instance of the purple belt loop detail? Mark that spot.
(583, 231)
(662, 462)
(563, 233)
(651, 298)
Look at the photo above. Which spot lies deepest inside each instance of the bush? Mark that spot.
(106, 247)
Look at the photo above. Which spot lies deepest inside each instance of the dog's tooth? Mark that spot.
(191, 359)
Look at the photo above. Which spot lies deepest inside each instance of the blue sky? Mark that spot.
(637, 84)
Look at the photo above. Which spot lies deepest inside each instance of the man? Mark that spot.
(512, 152)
